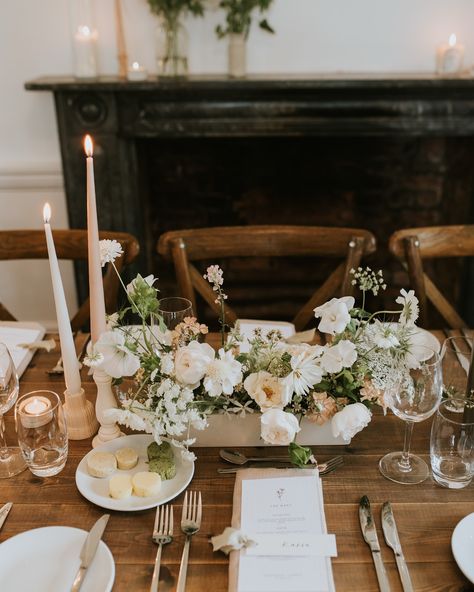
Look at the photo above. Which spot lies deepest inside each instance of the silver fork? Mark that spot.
(190, 524)
(162, 535)
(324, 468)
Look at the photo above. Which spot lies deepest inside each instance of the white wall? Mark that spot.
(311, 36)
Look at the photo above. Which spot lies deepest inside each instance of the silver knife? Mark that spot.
(4, 510)
(369, 533)
(88, 550)
(391, 537)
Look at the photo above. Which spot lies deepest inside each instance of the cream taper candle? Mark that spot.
(68, 350)
(96, 287)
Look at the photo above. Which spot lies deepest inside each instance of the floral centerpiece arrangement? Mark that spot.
(177, 380)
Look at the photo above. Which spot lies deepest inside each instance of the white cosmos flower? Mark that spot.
(278, 427)
(93, 358)
(411, 309)
(305, 372)
(268, 390)
(118, 359)
(334, 314)
(191, 362)
(339, 356)
(109, 251)
(350, 420)
(384, 336)
(222, 374)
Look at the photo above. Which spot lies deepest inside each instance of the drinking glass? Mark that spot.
(42, 432)
(413, 396)
(452, 443)
(456, 359)
(174, 310)
(11, 460)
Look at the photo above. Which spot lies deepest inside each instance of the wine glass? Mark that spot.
(414, 395)
(174, 310)
(456, 359)
(11, 459)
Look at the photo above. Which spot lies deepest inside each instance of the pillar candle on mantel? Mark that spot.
(68, 350)
(96, 287)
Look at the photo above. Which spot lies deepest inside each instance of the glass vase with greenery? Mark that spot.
(172, 37)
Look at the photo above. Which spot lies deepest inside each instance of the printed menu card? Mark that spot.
(283, 512)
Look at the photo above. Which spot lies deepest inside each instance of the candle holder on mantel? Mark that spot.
(108, 430)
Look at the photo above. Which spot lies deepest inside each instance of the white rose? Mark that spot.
(334, 314)
(267, 390)
(350, 420)
(279, 427)
(339, 356)
(191, 361)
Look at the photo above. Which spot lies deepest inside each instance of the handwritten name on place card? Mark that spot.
(295, 545)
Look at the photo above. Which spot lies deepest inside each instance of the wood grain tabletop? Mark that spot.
(426, 514)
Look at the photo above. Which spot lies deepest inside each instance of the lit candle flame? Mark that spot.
(452, 40)
(88, 146)
(46, 213)
(135, 66)
(84, 30)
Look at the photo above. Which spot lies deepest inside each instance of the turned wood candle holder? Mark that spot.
(108, 429)
(80, 416)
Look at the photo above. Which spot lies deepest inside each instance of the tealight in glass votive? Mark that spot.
(42, 432)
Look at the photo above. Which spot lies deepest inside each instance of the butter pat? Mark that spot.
(146, 484)
(101, 464)
(120, 486)
(127, 458)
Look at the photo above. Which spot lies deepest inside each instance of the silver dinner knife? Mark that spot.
(369, 533)
(391, 537)
(4, 511)
(89, 549)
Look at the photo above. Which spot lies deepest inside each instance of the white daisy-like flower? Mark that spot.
(109, 251)
(305, 372)
(384, 335)
(93, 358)
(411, 310)
(222, 374)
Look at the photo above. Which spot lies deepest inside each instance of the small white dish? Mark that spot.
(462, 545)
(97, 490)
(47, 560)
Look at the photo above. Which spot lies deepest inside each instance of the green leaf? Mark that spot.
(299, 455)
(263, 24)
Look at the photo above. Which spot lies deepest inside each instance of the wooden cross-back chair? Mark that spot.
(70, 244)
(412, 245)
(182, 247)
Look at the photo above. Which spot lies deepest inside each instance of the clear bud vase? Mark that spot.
(172, 48)
(237, 55)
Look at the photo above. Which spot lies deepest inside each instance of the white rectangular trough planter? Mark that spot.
(224, 430)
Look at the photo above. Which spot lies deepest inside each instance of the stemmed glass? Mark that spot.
(414, 396)
(456, 359)
(174, 310)
(11, 459)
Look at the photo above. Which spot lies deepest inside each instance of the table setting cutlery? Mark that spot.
(237, 458)
(4, 511)
(393, 541)
(58, 370)
(88, 550)
(190, 524)
(162, 535)
(324, 468)
(369, 533)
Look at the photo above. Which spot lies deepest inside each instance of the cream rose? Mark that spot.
(267, 390)
(191, 362)
(278, 427)
(350, 420)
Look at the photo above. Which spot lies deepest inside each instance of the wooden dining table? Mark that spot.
(426, 514)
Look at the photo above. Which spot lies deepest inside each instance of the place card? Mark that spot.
(283, 512)
(12, 333)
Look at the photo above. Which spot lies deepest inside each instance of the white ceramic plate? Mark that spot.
(97, 490)
(462, 545)
(47, 560)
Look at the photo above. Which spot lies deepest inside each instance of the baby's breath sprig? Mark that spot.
(368, 280)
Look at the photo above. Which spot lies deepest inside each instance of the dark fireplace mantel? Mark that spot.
(123, 117)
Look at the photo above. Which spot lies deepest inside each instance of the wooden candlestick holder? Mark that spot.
(108, 429)
(80, 416)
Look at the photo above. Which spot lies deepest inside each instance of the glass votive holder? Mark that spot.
(174, 310)
(42, 432)
(452, 443)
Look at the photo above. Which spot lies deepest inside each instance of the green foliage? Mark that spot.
(171, 9)
(239, 16)
(299, 455)
(143, 298)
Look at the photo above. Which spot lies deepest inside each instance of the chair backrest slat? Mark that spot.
(186, 246)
